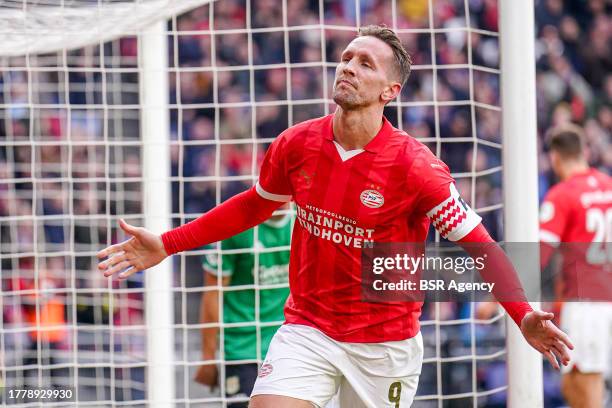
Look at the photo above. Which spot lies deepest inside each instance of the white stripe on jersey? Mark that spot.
(270, 196)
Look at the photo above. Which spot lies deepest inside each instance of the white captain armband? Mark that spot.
(453, 218)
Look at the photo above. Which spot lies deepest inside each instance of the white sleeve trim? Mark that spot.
(269, 196)
(453, 218)
(550, 238)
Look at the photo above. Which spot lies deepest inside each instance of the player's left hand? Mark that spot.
(540, 332)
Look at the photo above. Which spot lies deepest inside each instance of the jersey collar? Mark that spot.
(376, 144)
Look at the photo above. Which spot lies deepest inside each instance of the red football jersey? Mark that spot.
(389, 191)
(579, 211)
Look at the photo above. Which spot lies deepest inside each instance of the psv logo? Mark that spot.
(372, 199)
(265, 370)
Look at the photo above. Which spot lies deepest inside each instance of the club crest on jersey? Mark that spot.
(372, 199)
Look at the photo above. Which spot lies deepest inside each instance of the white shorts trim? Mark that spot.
(275, 391)
(304, 363)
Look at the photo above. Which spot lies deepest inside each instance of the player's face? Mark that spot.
(363, 76)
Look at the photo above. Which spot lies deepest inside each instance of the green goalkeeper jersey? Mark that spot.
(239, 305)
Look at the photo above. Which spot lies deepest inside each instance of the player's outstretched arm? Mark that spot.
(145, 249)
(536, 326)
(142, 250)
(544, 336)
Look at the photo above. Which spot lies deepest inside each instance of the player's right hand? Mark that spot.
(207, 375)
(544, 336)
(143, 250)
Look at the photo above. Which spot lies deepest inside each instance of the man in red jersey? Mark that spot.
(578, 210)
(354, 179)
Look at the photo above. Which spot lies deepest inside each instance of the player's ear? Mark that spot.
(390, 92)
(553, 157)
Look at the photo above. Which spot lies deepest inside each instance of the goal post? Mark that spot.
(520, 178)
(155, 136)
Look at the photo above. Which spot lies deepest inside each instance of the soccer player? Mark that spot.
(237, 269)
(354, 179)
(578, 210)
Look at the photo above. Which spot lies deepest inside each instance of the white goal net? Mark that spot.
(239, 72)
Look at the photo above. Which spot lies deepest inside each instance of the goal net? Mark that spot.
(76, 155)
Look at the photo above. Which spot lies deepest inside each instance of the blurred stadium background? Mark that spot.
(240, 72)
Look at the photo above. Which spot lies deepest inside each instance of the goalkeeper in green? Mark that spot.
(237, 269)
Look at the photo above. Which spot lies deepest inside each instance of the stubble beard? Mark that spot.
(346, 100)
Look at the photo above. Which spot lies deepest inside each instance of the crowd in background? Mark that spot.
(247, 93)
(573, 83)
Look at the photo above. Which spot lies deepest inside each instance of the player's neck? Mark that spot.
(354, 129)
(572, 169)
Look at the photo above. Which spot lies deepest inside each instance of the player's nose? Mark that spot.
(347, 69)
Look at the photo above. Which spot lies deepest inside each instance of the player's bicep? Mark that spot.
(273, 183)
(452, 217)
(439, 199)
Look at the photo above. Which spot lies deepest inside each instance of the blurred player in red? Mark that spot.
(578, 210)
(354, 179)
